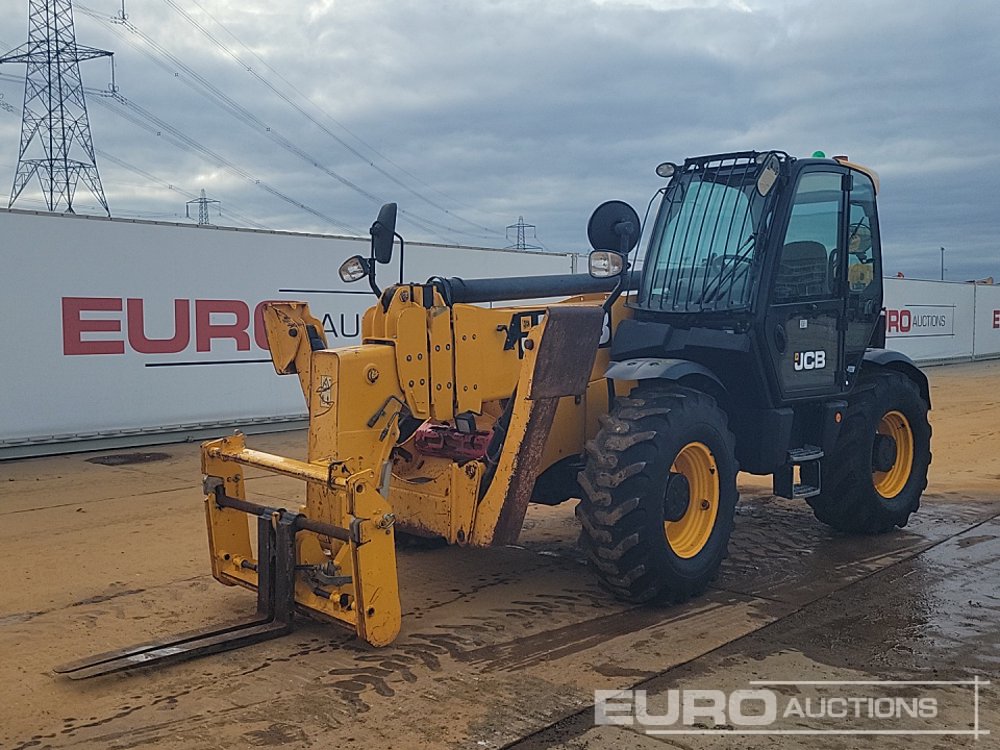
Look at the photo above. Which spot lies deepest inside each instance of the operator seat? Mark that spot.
(802, 271)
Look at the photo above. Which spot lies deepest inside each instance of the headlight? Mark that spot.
(666, 169)
(606, 263)
(354, 268)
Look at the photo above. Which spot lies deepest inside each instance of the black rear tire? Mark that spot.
(851, 499)
(625, 507)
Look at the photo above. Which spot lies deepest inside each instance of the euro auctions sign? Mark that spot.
(112, 325)
(930, 320)
(921, 320)
(802, 707)
(942, 321)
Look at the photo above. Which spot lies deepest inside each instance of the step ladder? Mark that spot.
(807, 460)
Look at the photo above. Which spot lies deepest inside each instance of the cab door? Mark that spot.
(803, 326)
(863, 279)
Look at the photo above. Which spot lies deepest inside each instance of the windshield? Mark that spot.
(704, 242)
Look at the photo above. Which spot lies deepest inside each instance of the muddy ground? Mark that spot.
(499, 647)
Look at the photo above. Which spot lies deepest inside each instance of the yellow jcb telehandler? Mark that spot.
(751, 339)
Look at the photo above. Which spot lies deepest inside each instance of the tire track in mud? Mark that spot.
(509, 639)
(775, 535)
(466, 644)
(575, 724)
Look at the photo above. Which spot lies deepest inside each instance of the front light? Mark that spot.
(666, 169)
(605, 263)
(353, 269)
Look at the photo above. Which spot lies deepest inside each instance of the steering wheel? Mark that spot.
(719, 282)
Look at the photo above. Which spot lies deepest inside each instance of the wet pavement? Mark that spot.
(932, 617)
(501, 644)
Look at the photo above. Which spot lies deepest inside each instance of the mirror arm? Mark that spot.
(623, 280)
(402, 245)
(371, 271)
(623, 239)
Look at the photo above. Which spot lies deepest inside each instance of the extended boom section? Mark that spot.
(377, 460)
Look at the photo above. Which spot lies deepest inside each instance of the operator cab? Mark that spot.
(780, 254)
(764, 270)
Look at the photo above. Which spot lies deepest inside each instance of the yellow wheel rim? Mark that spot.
(890, 483)
(688, 536)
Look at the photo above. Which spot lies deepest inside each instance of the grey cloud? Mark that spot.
(544, 110)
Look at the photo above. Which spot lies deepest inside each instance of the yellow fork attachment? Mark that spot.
(347, 573)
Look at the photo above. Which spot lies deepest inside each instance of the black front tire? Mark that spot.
(851, 500)
(624, 504)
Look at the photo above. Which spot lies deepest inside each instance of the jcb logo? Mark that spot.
(810, 360)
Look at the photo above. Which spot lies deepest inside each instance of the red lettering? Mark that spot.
(898, 321)
(74, 326)
(206, 330)
(137, 329)
(996, 318)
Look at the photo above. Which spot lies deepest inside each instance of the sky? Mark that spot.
(307, 116)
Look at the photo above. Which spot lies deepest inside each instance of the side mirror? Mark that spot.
(614, 225)
(769, 172)
(604, 264)
(353, 269)
(382, 232)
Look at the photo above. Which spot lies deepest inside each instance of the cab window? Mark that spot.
(807, 266)
(862, 237)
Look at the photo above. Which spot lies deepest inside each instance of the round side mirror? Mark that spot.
(614, 225)
(382, 232)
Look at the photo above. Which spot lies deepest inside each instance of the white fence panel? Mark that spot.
(930, 320)
(111, 326)
(987, 321)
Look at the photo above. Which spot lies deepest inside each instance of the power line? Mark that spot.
(229, 105)
(170, 186)
(319, 109)
(137, 170)
(151, 123)
(141, 172)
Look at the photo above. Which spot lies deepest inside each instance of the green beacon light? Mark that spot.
(818, 155)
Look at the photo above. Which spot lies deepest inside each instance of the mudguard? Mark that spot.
(650, 368)
(894, 360)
